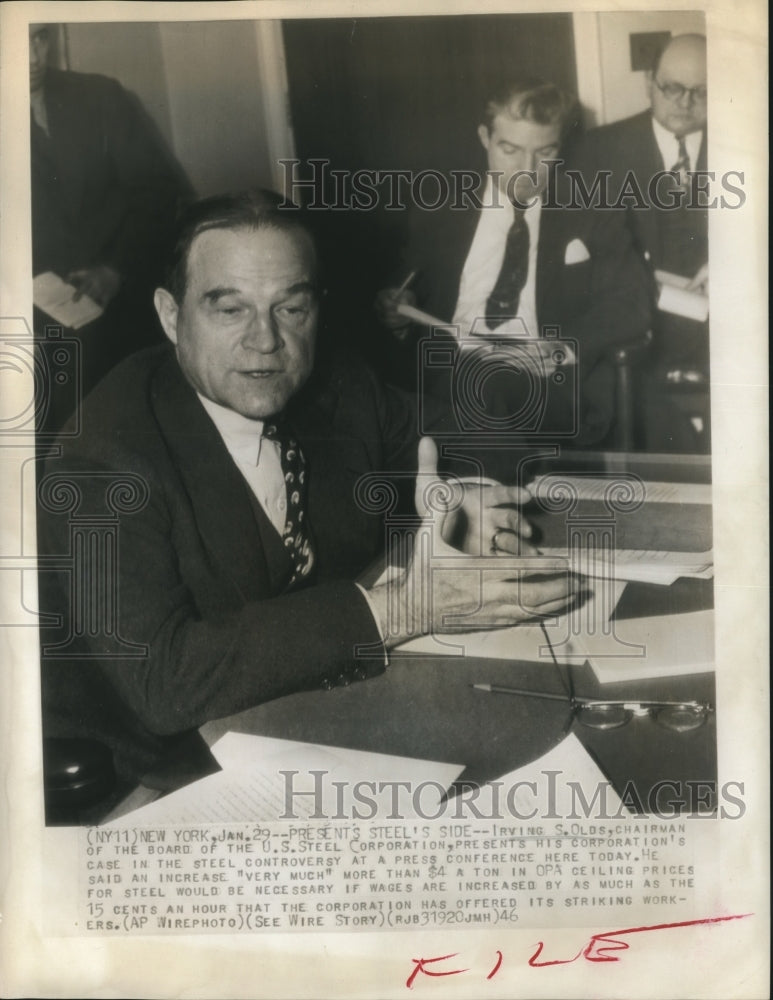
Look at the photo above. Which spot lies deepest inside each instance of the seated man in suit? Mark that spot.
(227, 464)
(671, 236)
(514, 262)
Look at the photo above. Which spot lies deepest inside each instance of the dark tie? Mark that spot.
(502, 303)
(296, 535)
(682, 165)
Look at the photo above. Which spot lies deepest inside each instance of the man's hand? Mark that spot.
(444, 591)
(482, 517)
(387, 301)
(100, 283)
(700, 283)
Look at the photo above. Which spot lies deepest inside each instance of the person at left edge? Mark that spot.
(204, 578)
(105, 190)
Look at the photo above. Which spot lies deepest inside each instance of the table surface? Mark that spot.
(425, 706)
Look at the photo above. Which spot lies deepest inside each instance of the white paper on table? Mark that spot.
(673, 645)
(251, 787)
(55, 297)
(675, 298)
(568, 762)
(638, 565)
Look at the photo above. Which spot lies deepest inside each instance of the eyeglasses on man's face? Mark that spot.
(676, 92)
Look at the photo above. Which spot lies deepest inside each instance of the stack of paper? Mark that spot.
(650, 511)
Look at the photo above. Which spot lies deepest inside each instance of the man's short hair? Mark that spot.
(255, 209)
(532, 99)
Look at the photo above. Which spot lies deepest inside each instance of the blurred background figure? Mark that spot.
(669, 136)
(105, 192)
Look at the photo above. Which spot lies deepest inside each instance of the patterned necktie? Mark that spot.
(502, 303)
(295, 536)
(682, 165)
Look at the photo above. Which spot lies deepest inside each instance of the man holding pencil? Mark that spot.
(520, 258)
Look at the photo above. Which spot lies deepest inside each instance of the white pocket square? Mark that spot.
(576, 252)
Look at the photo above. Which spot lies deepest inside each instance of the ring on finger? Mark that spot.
(499, 531)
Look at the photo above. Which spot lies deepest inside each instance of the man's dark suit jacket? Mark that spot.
(599, 302)
(104, 187)
(629, 146)
(105, 191)
(201, 572)
(675, 241)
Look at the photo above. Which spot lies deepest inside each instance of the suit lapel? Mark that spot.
(550, 258)
(235, 532)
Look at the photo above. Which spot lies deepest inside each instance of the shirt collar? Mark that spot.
(496, 201)
(241, 435)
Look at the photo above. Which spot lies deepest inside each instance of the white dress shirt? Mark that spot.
(256, 457)
(483, 264)
(258, 460)
(668, 144)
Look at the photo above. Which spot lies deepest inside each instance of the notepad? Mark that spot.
(675, 297)
(55, 297)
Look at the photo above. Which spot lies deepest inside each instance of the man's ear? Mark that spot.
(649, 76)
(483, 135)
(167, 310)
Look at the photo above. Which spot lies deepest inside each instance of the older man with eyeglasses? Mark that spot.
(656, 158)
